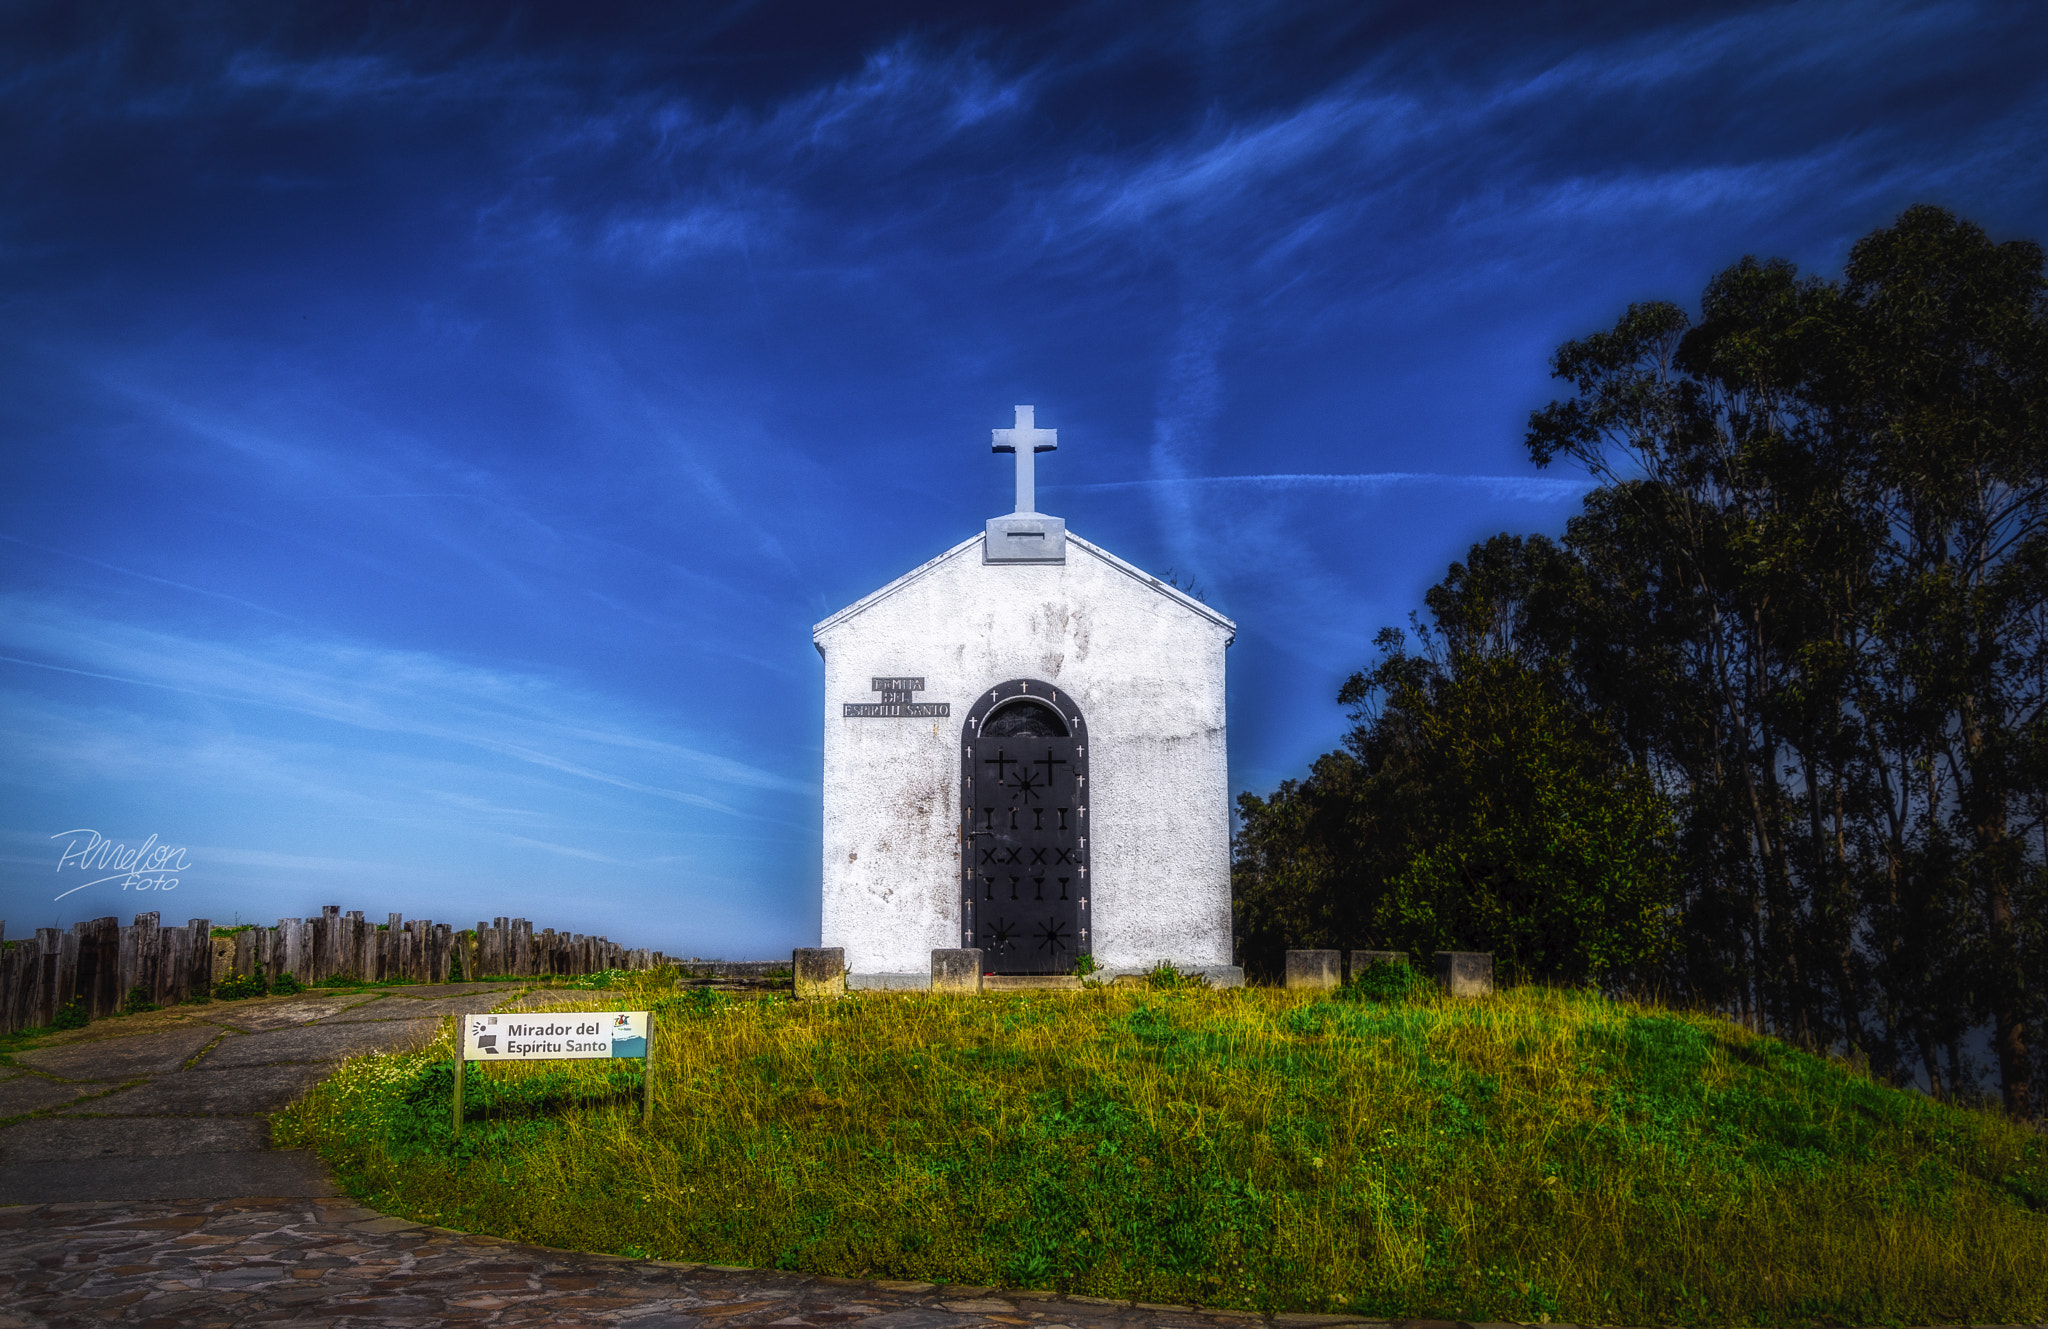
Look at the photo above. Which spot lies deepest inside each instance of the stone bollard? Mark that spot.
(819, 972)
(1315, 969)
(957, 971)
(1465, 973)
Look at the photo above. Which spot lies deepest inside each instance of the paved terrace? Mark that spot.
(139, 1188)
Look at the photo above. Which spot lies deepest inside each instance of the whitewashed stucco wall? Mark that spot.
(1144, 662)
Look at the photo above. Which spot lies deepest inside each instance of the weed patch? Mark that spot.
(237, 986)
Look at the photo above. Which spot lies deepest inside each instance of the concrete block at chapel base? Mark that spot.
(1465, 973)
(1216, 975)
(819, 973)
(1315, 969)
(1364, 960)
(1031, 983)
(957, 970)
(889, 981)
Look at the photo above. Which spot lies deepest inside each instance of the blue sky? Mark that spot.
(430, 431)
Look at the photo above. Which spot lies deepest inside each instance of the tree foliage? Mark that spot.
(1804, 615)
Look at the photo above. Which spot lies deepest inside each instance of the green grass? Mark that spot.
(1535, 1154)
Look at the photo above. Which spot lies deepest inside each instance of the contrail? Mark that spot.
(1528, 488)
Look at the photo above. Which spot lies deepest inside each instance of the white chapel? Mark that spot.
(1025, 754)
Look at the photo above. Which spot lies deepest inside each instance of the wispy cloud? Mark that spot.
(902, 88)
(691, 231)
(1224, 163)
(525, 717)
(265, 610)
(1517, 488)
(683, 183)
(1756, 48)
(1526, 141)
(1190, 397)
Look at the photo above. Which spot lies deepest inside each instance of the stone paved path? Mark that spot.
(323, 1262)
(171, 1105)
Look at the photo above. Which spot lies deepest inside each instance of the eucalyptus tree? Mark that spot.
(1823, 504)
(1790, 662)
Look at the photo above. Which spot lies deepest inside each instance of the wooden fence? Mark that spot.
(98, 963)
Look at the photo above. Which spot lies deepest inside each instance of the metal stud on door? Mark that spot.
(1024, 829)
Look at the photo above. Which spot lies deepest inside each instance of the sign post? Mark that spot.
(558, 1036)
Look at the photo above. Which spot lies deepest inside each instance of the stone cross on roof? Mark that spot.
(1025, 440)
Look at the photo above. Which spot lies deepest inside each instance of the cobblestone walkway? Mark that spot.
(325, 1264)
(211, 1264)
(171, 1105)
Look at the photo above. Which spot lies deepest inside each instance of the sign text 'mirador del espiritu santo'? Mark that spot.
(573, 1035)
(556, 1036)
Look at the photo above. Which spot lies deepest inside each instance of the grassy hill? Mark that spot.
(1536, 1154)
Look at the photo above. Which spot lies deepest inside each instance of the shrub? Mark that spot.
(236, 986)
(285, 986)
(137, 1002)
(71, 1015)
(1382, 982)
(1164, 975)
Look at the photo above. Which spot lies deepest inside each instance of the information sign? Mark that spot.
(557, 1036)
(554, 1035)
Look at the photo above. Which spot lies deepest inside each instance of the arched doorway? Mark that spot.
(1024, 829)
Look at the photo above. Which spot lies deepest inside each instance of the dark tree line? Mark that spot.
(1765, 731)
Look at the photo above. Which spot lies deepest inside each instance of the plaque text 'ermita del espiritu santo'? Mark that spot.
(896, 702)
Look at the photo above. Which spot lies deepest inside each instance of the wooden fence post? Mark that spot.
(21, 963)
(199, 964)
(291, 947)
(97, 970)
(174, 957)
(324, 941)
(49, 946)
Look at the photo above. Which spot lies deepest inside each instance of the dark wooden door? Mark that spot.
(1024, 824)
